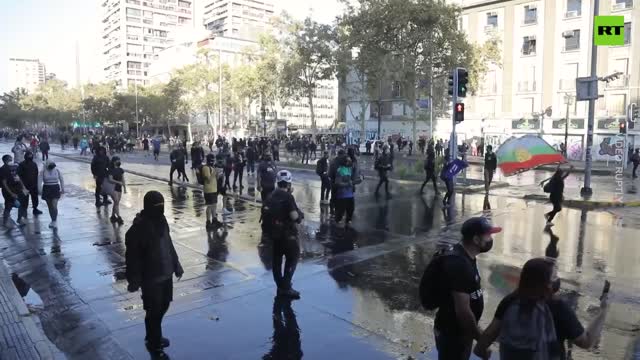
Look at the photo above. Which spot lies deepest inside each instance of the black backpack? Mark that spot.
(273, 219)
(432, 288)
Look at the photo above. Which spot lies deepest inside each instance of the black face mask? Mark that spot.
(117, 163)
(485, 246)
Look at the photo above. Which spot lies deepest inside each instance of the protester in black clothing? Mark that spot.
(439, 148)
(100, 170)
(462, 302)
(532, 321)
(422, 142)
(28, 173)
(228, 168)
(266, 179)
(251, 159)
(178, 158)
(410, 147)
(275, 150)
(151, 261)
(383, 165)
(197, 155)
(555, 189)
(280, 216)
(635, 159)
(12, 190)
(239, 163)
(430, 170)
(490, 165)
(305, 151)
(44, 148)
(322, 170)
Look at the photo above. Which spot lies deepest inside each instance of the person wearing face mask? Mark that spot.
(116, 176)
(461, 296)
(51, 186)
(28, 173)
(151, 262)
(533, 323)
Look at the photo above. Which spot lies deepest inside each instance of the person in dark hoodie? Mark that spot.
(197, 155)
(100, 170)
(28, 173)
(239, 163)
(44, 148)
(322, 169)
(178, 158)
(151, 261)
(384, 165)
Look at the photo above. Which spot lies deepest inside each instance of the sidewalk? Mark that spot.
(22, 336)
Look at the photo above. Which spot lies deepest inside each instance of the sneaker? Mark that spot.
(53, 225)
(106, 202)
(22, 221)
(37, 212)
(164, 343)
(208, 225)
(290, 293)
(113, 219)
(120, 221)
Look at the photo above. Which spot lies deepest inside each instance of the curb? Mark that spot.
(586, 204)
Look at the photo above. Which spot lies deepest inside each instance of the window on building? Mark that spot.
(574, 8)
(573, 42)
(530, 14)
(529, 45)
(397, 89)
(459, 22)
(133, 12)
(616, 104)
(492, 19)
(627, 33)
(622, 4)
(526, 104)
(569, 74)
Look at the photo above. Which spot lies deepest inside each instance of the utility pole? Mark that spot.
(586, 190)
(379, 107)
(568, 100)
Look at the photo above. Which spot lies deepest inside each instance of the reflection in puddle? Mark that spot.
(31, 298)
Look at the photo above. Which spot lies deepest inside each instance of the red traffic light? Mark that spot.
(460, 108)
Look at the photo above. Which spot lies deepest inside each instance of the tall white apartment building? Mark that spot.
(241, 19)
(545, 45)
(136, 31)
(26, 73)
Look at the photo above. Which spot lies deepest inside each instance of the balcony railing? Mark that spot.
(621, 82)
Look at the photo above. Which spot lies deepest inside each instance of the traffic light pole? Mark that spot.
(453, 142)
(586, 190)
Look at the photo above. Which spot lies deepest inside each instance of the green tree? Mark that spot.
(54, 103)
(11, 113)
(310, 48)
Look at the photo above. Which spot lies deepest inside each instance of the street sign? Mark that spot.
(586, 88)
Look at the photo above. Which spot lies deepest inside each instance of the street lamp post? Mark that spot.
(586, 189)
(137, 128)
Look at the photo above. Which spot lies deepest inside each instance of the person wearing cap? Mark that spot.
(210, 176)
(280, 216)
(151, 262)
(28, 173)
(116, 176)
(456, 322)
(51, 188)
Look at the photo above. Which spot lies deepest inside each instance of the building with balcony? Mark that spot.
(242, 19)
(136, 31)
(26, 73)
(546, 44)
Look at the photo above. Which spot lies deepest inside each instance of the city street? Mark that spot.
(358, 285)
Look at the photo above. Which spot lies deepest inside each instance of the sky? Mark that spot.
(49, 30)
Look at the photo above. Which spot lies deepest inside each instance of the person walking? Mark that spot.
(28, 173)
(228, 168)
(84, 144)
(490, 165)
(383, 165)
(239, 163)
(635, 159)
(156, 142)
(51, 187)
(44, 149)
(449, 181)
(178, 158)
(18, 150)
(266, 179)
(430, 170)
(533, 323)
(13, 192)
(116, 176)
(197, 155)
(251, 159)
(322, 170)
(210, 177)
(151, 261)
(280, 216)
(555, 187)
(145, 146)
(343, 180)
(100, 171)
(453, 279)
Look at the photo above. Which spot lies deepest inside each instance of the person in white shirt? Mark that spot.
(51, 187)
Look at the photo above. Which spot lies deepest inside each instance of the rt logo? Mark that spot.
(609, 30)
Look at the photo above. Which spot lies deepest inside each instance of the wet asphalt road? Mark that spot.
(359, 286)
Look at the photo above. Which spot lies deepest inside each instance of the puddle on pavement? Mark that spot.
(31, 299)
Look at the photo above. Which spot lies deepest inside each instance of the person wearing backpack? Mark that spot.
(555, 188)
(322, 169)
(266, 179)
(451, 283)
(532, 323)
(210, 175)
(280, 216)
(342, 178)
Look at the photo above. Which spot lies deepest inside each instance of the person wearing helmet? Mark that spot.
(279, 218)
(266, 179)
(210, 175)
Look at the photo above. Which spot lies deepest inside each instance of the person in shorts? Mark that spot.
(210, 189)
(51, 188)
